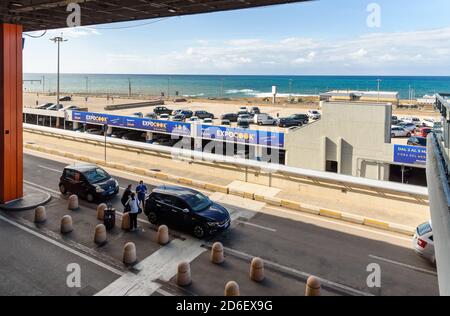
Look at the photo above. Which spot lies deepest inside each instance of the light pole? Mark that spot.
(58, 40)
(87, 85)
(378, 82)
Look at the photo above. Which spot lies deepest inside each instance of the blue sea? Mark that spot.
(217, 86)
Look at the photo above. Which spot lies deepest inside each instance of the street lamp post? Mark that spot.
(58, 40)
(378, 82)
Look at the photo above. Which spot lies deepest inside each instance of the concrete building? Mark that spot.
(361, 96)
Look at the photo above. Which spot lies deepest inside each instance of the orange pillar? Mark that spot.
(11, 139)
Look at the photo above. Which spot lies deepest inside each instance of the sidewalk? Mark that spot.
(300, 198)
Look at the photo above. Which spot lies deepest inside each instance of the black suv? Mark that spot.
(162, 110)
(187, 209)
(88, 182)
(232, 117)
(203, 114)
(293, 120)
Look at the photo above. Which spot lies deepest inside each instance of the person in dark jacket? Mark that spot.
(126, 195)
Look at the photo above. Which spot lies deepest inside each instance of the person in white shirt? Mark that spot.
(134, 211)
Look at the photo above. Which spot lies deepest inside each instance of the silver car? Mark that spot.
(423, 242)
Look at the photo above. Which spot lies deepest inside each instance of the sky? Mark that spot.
(323, 37)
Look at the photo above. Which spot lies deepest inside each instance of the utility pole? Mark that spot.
(58, 40)
(290, 90)
(379, 81)
(43, 84)
(168, 88)
(129, 87)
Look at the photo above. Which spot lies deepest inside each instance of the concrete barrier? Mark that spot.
(376, 223)
(185, 181)
(129, 254)
(257, 270)
(216, 188)
(184, 274)
(126, 223)
(100, 234)
(101, 211)
(66, 224)
(40, 214)
(291, 205)
(73, 203)
(217, 253)
(232, 289)
(312, 286)
(331, 214)
(162, 236)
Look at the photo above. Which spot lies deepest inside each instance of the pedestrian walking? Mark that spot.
(133, 204)
(126, 195)
(141, 191)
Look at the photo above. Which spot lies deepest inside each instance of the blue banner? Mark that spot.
(240, 135)
(167, 127)
(413, 155)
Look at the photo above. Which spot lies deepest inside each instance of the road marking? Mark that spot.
(51, 169)
(62, 246)
(257, 226)
(404, 265)
(43, 188)
(338, 222)
(302, 274)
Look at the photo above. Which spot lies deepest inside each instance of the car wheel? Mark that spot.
(199, 231)
(62, 189)
(152, 218)
(90, 197)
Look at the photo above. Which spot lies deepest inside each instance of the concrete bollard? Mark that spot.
(73, 203)
(129, 254)
(40, 214)
(126, 224)
(101, 211)
(312, 286)
(232, 289)
(100, 234)
(163, 235)
(66, 224)
(257, 270)
(217, 256)
(184, 274)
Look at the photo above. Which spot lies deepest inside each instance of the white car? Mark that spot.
(194, 119)
(314, 115)
(70, 108)
(415, 120)
(408, 126)
(428, 122)
(423, 242)
(398, 131)
(164, 117)
(243, 109)
(208, 121)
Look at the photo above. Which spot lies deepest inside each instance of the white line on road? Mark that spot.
(404, 265)
(42, 187)
(257, 226)
(62, 246)
(51, 169)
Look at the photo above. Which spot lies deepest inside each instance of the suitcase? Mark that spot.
(110, 218)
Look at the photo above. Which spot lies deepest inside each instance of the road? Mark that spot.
(336, 251)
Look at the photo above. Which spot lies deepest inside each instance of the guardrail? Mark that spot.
(344, 180)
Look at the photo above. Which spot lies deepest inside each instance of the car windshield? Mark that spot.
(424, 228)
(198, 202)
(96, 175)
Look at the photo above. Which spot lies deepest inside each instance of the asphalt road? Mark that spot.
(333, 250)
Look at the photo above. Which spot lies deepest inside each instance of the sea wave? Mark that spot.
(193, 95)
(281, 95)
(237, 91)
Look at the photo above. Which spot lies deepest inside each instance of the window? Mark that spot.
(424, 228)
(198, 202)
(69, 174)
(178, 203)
(96, 175)
(332, 166)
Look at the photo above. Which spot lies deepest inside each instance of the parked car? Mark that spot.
(314, 114)
(243, 124)
(70, 108)
(243, 109)
(398, 131)
(293, 120)
(417, 141)
(245, 117)
(186, 113)
(178, 118)
(164, 117)
(394, 120)
(65, 99)
(423, 241)
(138, 114)
(232, 117)
(414, 120)
(118, 133)
(264, 119)
(95, 131)
(208, 121)
(188, 209)
(255, 110)
(44, 106)
(152, 116)
(135, 136)
(423, 131)
(194, 119)
(225, 122)
(55, 107)
(409, 126)
(428, 122)
(204, 114)
(88, 182)
(162, 110)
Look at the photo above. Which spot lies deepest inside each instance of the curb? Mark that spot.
(273, 201)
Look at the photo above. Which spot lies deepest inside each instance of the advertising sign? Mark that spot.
(413, 155)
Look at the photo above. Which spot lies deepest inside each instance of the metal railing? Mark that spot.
(344, 180)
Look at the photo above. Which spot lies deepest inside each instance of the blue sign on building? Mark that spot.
(240, 135)
(166, 127)
(413, 155)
